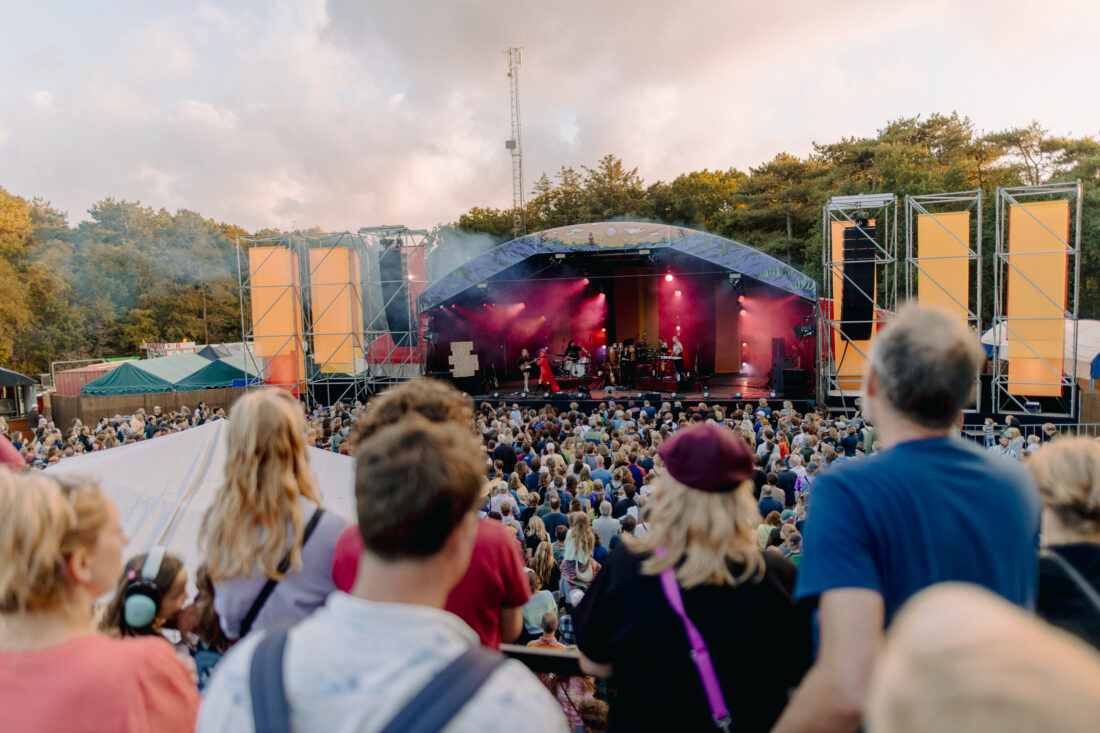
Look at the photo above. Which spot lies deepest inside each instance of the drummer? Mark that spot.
(574, 350)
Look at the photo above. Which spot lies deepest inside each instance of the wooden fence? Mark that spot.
(89, 409)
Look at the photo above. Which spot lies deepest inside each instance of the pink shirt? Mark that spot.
(93, 683)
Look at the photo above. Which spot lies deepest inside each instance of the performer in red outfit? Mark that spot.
(546, 376)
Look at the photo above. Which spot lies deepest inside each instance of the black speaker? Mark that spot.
(857, 309)
(393, 268)
(796, 384)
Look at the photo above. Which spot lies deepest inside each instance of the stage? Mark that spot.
(630, 298)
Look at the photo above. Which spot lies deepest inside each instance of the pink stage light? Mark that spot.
(586, 281)
(745, 344)
(668, 278)
(744, 312)
(677, 293)
(522, 306)
(603, 329)
(677, 328)
(740, 298)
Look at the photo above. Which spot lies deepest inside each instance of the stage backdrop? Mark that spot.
(277, 315)
(944, 254)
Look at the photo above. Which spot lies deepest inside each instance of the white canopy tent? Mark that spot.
(162, 487)
(1088, 346)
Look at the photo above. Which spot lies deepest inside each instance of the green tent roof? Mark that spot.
(222, 373)
(146, 375)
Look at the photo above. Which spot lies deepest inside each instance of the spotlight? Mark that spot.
(744, 312)
(706, 393)
(772, 394)
(677, 328)
(522, 306)
(668, 278)
(744, 344)
(677, 293)
(411, 277)
(496, 395)
(603, 329)
(673, 395)
(546, 394)
(482, 286)
(559, 256)
(737, 395)
(523, 395)
(740, 298)
(586, 281)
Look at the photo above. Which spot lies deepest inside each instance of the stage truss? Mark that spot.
(1003, 400)
(916, 265)
(883, 210)
(394, 355)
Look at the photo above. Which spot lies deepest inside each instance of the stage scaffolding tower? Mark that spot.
(833, 337)
(394, 333)
(1004, 401)
(295, 335)
(919, 266)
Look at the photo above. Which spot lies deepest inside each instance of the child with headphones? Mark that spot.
(150, 594)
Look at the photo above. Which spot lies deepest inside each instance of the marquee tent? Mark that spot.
(1088, 346)
(146, 375)
(228, 371)
(163, 486)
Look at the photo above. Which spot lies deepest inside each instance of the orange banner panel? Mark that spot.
(337, 309)
(1038, 263)
(848, 355)
(943, 277)
(276, 314)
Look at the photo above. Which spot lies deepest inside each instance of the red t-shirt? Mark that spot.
(493, 581)
(93, 683)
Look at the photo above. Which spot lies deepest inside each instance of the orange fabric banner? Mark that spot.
(337, 310)
(276, 315)
(1036, 285)
(943, 251)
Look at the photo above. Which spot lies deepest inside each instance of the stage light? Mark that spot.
(677, 293)
(522, 306)
(586, 281)
(546, 394)
(523, 395)
(411, 277)
(677, 328)
(738, 395)
(603, 329)
(745, 344)
(496, 395)
(772, 394)
(744, 312)
(673, 395)
(706, 394)
(668, 278)
(542, 318)
(744, 365)
(483, 286)
(559, 256)
(740, 298)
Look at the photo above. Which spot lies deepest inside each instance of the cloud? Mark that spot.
(42, 100)
(346, 113)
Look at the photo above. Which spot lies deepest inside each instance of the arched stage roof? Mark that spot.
(610, 236)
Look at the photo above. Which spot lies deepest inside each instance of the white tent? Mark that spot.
(1088, 346)
(163, 486)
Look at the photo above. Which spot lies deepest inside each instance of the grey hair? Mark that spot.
(605, 508)
(926, 361)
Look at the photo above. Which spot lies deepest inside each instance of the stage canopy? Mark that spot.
(146, 375)
(621, 236)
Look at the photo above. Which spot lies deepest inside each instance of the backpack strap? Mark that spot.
(1083, 585)
(269, 586)
(431, 709)
(270, 710)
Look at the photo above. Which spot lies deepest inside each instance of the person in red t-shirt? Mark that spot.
(493, 590)
(489, 596)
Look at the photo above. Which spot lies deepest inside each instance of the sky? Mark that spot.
(352, 113)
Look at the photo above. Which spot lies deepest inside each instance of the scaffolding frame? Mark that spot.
(403, 354)
(314, 384)
(882, 208)
(930, 205)
(1003, 401)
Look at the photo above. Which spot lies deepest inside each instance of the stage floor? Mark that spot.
(721, 387)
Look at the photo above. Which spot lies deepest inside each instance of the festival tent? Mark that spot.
(162, 487)
(229, 371)
(146, 375)
(17, 393)
(1088, 346)
(218, 351)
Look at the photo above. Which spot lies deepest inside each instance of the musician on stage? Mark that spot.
(525, 362)
(678, 352)
(574, 350)
(546, 375)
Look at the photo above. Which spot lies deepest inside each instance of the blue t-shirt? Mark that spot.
(923, 512)
(603, 474)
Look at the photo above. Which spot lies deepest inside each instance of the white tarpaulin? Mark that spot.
(163, 486)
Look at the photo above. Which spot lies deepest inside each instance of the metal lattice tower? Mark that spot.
(519, 226)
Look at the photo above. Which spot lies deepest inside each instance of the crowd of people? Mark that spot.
(750, 569)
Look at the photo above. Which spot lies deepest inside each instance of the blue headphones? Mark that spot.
(142, 595)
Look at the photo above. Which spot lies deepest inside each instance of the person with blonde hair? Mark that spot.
(60, 549)
(267, 542)
(577, 565)
(699, 566)
(959, 658)
(1067, 472)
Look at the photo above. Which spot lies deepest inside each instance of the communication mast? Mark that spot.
(519, 225)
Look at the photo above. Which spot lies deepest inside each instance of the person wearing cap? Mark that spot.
(863, 559)
(702, 524)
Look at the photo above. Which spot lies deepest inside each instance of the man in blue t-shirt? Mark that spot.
(928, 509)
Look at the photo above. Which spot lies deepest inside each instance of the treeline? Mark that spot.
(776, 207)
(132, 274)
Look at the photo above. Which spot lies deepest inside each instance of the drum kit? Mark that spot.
(633, 357)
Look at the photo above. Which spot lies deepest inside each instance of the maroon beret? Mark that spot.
(708, 458)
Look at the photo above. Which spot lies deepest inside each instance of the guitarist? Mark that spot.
(525, 363)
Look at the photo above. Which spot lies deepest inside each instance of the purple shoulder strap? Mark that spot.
(700, 656)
